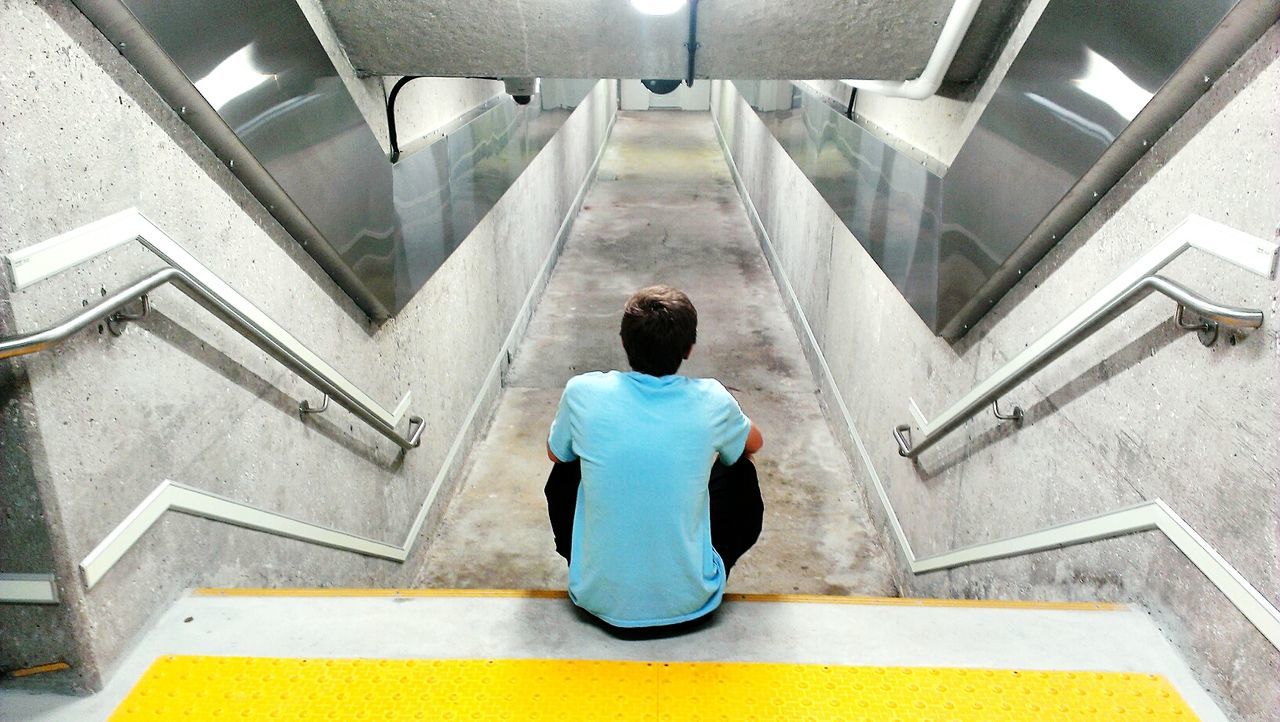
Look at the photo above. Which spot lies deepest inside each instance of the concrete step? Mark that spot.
(860, 638)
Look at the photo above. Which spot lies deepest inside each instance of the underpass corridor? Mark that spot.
(664, 209)
(302, 304)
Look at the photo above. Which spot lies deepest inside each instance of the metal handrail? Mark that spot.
(1212, 313)
(114, 303)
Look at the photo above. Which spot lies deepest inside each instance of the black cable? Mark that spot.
(391, 114)
(692, 45)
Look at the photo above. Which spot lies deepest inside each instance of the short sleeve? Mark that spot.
(560, 441)
(730, 426)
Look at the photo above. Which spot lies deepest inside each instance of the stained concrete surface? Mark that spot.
(664, 209)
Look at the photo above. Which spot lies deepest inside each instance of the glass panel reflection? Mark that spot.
(258, 63)
(1085, 72)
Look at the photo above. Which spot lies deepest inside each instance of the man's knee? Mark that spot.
(737, 509)
(562, 483)
(562, 500)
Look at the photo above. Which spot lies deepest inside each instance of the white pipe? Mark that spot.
(935, 70)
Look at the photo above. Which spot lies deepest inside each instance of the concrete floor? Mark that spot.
(1117, 640)
(664, 209)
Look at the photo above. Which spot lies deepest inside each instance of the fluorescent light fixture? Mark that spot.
(1104, 81)
(232, 78)
(657, 7)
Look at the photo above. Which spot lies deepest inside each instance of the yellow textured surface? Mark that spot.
(239, 688)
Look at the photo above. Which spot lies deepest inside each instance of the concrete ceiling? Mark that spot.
(880, 39)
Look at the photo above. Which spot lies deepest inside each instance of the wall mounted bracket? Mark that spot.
(1015, 415)
(305, 407)
(118, 320)
(1206, 329)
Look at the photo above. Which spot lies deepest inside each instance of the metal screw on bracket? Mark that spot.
(1206, 330)
(118, 320)
(1015, 415)
(305, 407)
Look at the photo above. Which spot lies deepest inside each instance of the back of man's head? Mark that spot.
(659, 328)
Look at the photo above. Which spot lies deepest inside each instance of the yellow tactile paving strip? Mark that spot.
(239, 688)
(731, 597)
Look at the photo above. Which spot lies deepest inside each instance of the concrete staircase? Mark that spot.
(241, 650)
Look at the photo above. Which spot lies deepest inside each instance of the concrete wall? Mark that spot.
(1140, 411)
(181, 396)
(423, 106)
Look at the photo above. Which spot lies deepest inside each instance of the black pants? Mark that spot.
(737, 511)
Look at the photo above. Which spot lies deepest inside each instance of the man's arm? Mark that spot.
(552, 455)
(561, 436)
(755, 440)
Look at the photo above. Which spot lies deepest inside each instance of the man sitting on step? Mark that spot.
(653, 496)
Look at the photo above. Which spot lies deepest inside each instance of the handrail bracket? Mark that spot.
(902, 435)
(1016, 414)
(305, 407)
(1206, 329)
(416, 426)
(117, 321)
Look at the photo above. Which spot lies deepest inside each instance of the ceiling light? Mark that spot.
(657, 7)
(660, 87)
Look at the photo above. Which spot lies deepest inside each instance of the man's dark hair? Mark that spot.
(659, 326)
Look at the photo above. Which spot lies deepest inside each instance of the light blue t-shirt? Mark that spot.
(641, 552)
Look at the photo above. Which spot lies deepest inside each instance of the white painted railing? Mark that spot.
(173, 496)
(28, 589)
(1241, 249)
(36, 263)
